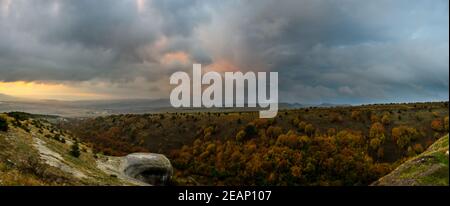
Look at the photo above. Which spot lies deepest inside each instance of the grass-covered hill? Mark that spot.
(309, 146)
(427, 169)
(34, 152)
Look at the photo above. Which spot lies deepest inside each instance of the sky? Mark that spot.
(325, 51)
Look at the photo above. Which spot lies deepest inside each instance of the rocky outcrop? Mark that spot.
(154, 169)
(55, 159)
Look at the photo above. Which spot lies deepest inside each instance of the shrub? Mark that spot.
(374, 118)
(301, 126)
(410, 152)
(75, 150)
(309, 130)
(274, 131)
(377, 131)
(356, 115)
(292, 140)
(211, 148)
(335, 117)
(250, 130)
(295, 121)
(3, 125)
(380, 152)
(375, 143)
(296, 171)
(209, 130)
(57, 137)
(20, 116)
(386, 119)
(403, 135)
(331, 132)
(418, 148)
(261, 123)
(436, 125)
(240, 136)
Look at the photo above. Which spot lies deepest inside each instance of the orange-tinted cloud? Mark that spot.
(140, 5)
(222, 66)
(175, 57)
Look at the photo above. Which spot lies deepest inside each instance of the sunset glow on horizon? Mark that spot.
(39, 90)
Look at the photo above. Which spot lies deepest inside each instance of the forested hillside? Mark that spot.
(310, 146)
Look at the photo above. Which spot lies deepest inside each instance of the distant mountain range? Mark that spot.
(86, 108)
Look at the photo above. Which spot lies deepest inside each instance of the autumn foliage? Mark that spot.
(310, 146)
(294, 159)
(403, 135)
(437, 125)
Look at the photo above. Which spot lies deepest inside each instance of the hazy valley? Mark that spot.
(344, 145)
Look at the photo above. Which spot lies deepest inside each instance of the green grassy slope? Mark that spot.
(33, 152)
(428, 168)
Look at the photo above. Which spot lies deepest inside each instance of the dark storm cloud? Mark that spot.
(345, 51)
(84, 39)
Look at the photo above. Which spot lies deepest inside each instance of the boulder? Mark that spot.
(154, 169)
